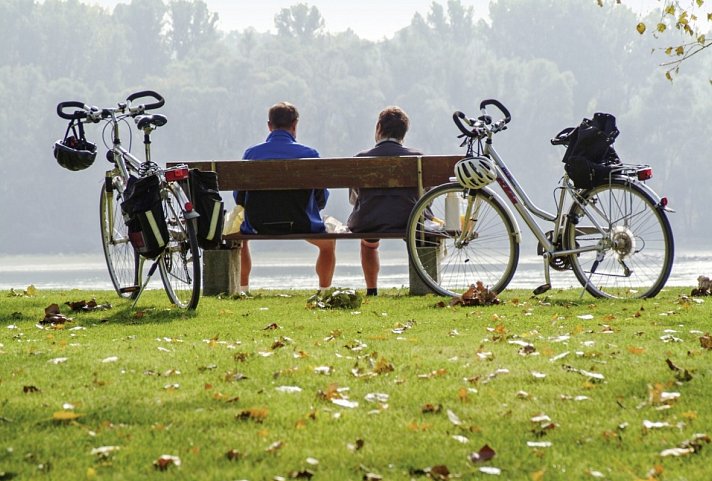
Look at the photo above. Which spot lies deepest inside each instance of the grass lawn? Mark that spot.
(547, 388)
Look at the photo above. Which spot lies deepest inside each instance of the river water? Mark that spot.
(278, 266)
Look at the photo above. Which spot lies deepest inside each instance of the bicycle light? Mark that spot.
(174, 175)
(645, 174)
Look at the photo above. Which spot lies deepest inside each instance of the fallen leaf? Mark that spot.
(345, 403)
(233, 455)
(105, 451)
(490, 470)
(476, 295)
(357, 445)
(676, 452)
(483, 455)
(655, 424)
(65, 416)
(257, 415)
(165, 461)
(274, 447)
(288, 389)
(454, 419)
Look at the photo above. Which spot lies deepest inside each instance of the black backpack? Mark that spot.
(590, 157)
(205, 196)
(144, 217)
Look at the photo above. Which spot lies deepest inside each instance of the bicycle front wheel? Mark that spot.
(121, 258)
(629, 240)
(449, 260)
(180, 263)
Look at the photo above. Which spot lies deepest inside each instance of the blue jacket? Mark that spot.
(281, 211)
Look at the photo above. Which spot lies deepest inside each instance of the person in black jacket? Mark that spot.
(382, 210)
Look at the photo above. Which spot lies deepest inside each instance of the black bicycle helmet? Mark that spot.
(74, 152)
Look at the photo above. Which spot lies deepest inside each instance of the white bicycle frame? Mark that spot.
(527, 210)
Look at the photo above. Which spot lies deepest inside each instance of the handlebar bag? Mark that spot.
(590, 156)
(144, 216)
(206, 199)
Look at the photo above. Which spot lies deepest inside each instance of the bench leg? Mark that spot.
(429, 258)
(221, 271)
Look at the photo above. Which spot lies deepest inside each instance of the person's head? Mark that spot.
(283, 116)
(392, 123)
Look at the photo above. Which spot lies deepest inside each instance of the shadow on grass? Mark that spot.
(122, 311)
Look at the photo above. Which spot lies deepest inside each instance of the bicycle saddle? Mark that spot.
(156, 120)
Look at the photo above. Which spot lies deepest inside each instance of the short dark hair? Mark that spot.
(282, 115)
(394, 122)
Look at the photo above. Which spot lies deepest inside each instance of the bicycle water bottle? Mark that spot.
(452, 212)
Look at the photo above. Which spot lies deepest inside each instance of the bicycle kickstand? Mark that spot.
(594, 266)
(547, 277)
(148, 278)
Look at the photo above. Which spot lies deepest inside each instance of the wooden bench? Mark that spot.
(222, 267)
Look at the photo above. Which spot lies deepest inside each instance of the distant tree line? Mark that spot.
(552, 62)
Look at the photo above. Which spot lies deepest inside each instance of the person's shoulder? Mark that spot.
(306, 151)
(253, 151)
(412, 151)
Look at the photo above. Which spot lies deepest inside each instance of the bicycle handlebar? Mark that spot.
(458, 117)
(77, 114)
(148, 93)
(94, 114)
(499, 105)
(484, 124)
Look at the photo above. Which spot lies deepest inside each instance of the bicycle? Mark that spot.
(615, 236)
(179, 257)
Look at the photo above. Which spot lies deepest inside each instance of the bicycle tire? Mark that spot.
(180, 263)
(490, 255)
(636, 251)
(122, 259)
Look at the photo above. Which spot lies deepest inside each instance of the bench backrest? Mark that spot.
(342, 172)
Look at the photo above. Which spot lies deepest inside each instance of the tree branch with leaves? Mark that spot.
(690, 20)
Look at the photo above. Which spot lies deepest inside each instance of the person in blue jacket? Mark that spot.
(285, 211)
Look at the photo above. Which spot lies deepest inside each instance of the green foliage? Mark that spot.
(555, 388)
(685, 24)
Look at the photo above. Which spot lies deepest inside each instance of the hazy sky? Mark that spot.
(371, 19)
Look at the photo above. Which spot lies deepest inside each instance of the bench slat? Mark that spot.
(345, 235)
(322, 173)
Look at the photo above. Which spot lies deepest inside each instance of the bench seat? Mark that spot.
(222, 267)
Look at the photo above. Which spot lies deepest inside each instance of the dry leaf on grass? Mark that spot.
(485, 454)
(84, 306)
(53, 316)
(476, 295)
(165, 461)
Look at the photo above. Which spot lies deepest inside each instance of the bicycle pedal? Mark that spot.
(129, 289)
(542, 289)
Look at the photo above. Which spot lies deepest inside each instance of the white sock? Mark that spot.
(245, 288)
(322, 290)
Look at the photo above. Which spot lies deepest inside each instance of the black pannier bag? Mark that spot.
(590, 157)
(205, 196)
(144, 217)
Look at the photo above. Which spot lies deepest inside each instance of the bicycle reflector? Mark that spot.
(180, 173)
(645, 174)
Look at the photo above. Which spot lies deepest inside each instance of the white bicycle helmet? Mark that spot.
(475, 172)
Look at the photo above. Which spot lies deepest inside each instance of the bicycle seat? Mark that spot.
(155, 120)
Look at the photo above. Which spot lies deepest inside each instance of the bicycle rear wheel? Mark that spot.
(121, 258)
(632, 253)
(180, 263)
(450, 263)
